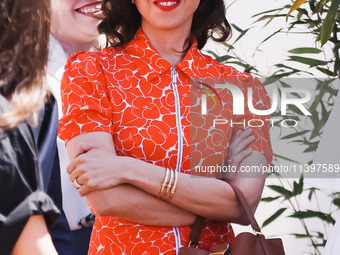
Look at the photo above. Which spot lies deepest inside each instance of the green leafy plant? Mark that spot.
(321, 19)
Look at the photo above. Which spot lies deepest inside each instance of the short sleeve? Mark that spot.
(260, 124)
(86, 106)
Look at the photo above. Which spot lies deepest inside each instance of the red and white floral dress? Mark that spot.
(144, 102)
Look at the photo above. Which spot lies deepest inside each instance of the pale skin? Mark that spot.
(35, 238)
(127, 192)
(74, 30)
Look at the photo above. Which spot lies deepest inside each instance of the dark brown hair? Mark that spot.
(24, 34)
(122, 21)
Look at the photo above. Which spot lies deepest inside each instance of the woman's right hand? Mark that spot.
(239, 141)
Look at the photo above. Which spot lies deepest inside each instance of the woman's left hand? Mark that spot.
(96, 169)
(237, 148)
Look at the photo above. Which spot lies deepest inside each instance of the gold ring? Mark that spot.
(76, 184)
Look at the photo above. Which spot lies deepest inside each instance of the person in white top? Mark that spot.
(73, 29)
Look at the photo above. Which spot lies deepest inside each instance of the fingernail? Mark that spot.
(248, 131)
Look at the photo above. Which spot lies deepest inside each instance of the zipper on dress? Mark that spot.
(178, 119)
(180, 140)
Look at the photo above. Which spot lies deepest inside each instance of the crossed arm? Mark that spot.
(127, 188)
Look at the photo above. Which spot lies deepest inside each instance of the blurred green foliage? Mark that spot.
(321, 19)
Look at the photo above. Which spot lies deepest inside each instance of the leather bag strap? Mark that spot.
(196, 231)
(247, 209)
(199, 222)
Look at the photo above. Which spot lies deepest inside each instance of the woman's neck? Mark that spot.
(73, 47)
(170, 44)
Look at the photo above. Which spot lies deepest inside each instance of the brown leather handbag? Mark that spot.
(244, 244)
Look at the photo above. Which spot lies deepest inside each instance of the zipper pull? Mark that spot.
(173, 74)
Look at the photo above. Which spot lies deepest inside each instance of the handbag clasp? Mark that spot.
(257, 232)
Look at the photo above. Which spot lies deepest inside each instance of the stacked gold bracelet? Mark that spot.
(169, 184)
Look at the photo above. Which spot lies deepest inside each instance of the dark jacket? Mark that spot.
(21, 186)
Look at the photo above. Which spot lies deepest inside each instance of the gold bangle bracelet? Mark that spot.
(168, 188)
(173, 189)
(164, 184)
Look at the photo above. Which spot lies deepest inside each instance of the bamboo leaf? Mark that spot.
(246, 66)
(279, 189)
(241, 35)
(213, 53)
(301, 235)
(277, 77)
(308, 61)
(311, 192)
(296, 5)
(295, 134)
(223, 58)
(298, 187)
(270, 199)
(336, 201)
(321, 235)
(328, 23)
(274, 10)
(336, 46)
(315, 133)
(273, 217)
(312, 5)
(315, 118)
(326, 71)
(294, 109)
(276, 32)
(319, 7)
(285, 66)
(229, 46)
(317, 101)
(264, 17)
(229, 5)
(237, 28)
(313, 214)
(302, 11)
(305, 50)
(329, 89)
(318, 124)
(311, 148)
(324, 112)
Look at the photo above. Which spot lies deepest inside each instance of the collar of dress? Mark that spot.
(150, 64)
